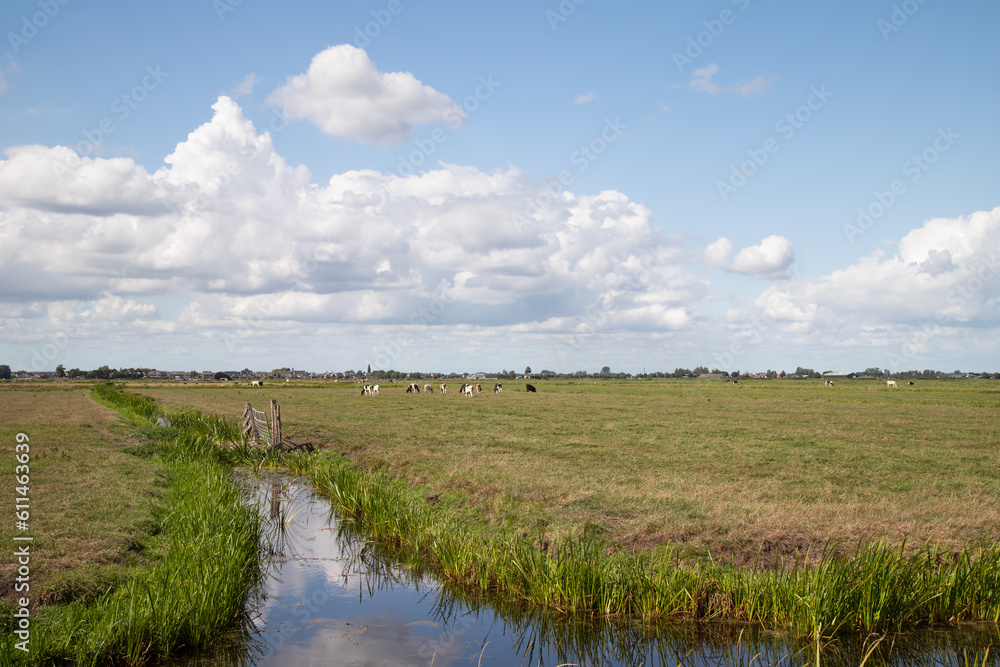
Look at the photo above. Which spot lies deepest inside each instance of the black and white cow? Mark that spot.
(498, 388)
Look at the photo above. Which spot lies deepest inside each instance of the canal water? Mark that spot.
(331, 599)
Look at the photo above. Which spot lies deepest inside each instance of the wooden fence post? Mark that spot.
(275, 424)
(250, 424)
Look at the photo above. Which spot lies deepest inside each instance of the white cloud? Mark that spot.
(227, 249)
(345, 95)
(944, 278)
(772, 259)
(584, 98)
(246, 85)
(255, 247)
(701, 80)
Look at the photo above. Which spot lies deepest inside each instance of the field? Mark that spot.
(772, 467)
(92, 504)
(501, 494)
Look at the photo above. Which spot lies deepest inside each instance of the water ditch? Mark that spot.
(330, 598)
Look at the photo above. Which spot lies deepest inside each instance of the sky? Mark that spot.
(465, 186)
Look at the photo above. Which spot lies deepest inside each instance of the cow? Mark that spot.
(364, 390)
(829, 383)
(530, 387)
(467, 390)
(444, 388)
(428, 389)
(414, 388)
(891, 383)
(256, 383)
(736, 381)
(479, 388)
(374, 391)
(911, 384)
(498, 388)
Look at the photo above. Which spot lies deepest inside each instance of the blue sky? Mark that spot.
(352, 199)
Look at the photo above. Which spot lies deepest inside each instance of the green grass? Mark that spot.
(880, 587)
(531, 498)
(787, 465)
(92, 502)
(199, 565)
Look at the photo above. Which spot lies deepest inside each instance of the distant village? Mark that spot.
(289, 374)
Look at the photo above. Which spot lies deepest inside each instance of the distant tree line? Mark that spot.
(107, 373)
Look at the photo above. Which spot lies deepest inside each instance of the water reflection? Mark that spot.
(330, 598)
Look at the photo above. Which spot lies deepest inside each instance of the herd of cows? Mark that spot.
(466, 389)
(470, 389)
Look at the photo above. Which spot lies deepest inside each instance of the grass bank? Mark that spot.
(195, 561)
(879, 587)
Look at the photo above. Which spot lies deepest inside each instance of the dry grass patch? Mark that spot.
(91, 509)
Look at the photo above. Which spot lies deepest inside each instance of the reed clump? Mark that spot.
(879, 587)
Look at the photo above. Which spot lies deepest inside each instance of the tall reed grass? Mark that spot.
(880, 587)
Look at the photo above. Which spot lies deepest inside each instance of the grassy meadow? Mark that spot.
(749, 472)
(640, 499)
(92, 503)
(143, 546)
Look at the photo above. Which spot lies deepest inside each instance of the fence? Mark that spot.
(259, 429)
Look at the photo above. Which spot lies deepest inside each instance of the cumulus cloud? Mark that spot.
(246, 249)
(257, 249)
(701, 80)
(584, 98)
(344, 94)
(772, 259)
(942, 281)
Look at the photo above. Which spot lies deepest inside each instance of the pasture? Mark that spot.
(777, 466)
